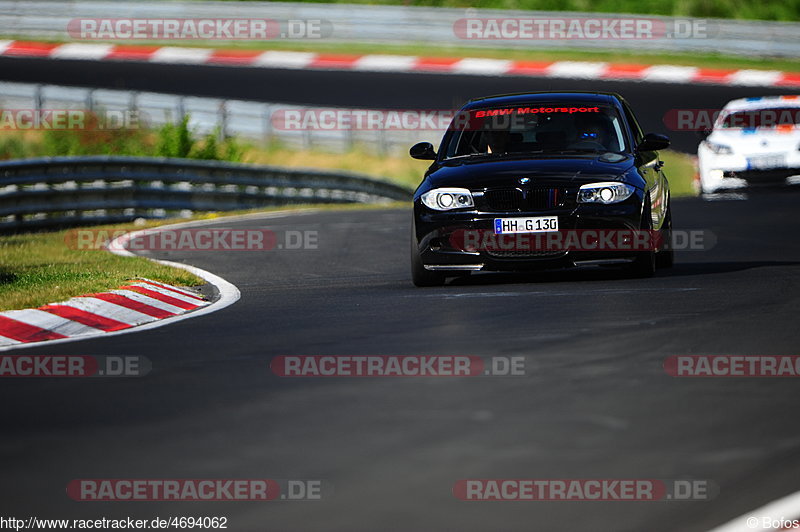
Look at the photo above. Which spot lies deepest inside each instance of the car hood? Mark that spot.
(754, 141)
(477, 174)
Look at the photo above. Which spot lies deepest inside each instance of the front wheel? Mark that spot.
(644, 265)
(419, 275)
(665, 258)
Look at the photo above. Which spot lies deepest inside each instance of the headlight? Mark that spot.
(604, 193)
(719, 149)
(446, 199)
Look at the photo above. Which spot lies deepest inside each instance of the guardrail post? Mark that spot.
(382, 148)
(38, 98)
(222, 121)
(348, 134)
(307, 138)
(268, 129)
(90, 100)
(133, 110)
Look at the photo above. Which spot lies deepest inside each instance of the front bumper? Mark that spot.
(441, 237)
(719, 172)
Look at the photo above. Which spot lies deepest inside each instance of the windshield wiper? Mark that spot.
(479, 154)
(528, 152)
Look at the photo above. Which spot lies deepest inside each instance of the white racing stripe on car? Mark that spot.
(50, 322)
(141, 298)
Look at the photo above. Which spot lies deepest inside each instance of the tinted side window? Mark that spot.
(634, 125)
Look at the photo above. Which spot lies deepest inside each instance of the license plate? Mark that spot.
(766, 162)
(538, 224)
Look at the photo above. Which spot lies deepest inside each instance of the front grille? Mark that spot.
(545, 198)
(504, 199)
(523, 254)
(531, 199)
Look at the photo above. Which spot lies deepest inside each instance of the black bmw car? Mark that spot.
(538, 181)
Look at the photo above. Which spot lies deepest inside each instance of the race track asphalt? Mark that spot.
(595, 401)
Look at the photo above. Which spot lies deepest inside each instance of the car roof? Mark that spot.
(549, 97)
(762, 102)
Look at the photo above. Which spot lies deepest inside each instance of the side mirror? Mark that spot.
(423, 151)
(653, 142)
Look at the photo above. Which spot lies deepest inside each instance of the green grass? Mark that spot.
(786, 10)
(680, 170)
(169, 140)
(40, 268)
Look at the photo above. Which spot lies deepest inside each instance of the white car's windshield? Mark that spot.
(764, 118)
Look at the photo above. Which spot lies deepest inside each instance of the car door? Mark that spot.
(650, 166)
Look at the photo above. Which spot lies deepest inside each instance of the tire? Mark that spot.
(644, 265)
(419, 275)
(665, 258)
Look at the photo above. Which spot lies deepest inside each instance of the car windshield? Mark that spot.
(536, 129)
(755, 118)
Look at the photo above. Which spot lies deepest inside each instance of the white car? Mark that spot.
(754, 141)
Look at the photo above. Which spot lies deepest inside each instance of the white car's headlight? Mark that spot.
(446, 199)
(719, 149)
(604, 192)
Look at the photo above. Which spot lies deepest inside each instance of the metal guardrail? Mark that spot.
(63, 191)
(247, 119)
(398, 24)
